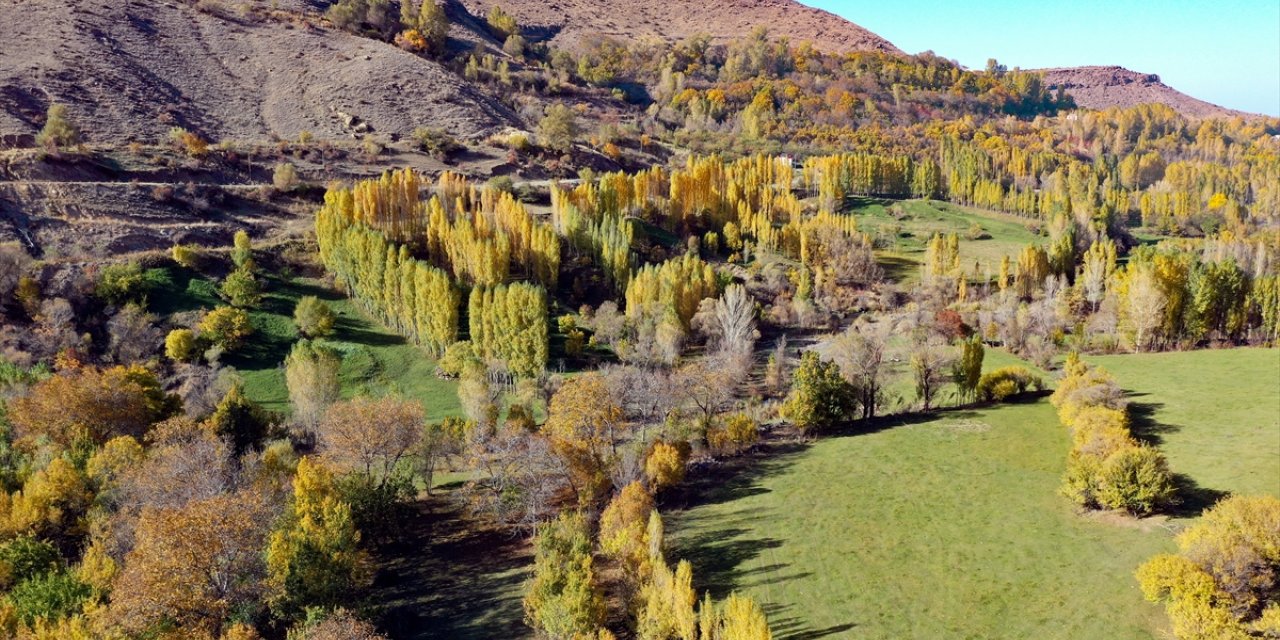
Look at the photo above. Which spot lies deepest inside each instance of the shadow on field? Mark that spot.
(1143, 423)
(1193, 499)
(792, 628)
(445, 576)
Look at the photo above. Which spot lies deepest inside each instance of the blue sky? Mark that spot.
(1225, 51)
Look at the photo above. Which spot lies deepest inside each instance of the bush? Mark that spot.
(189, 142)
(181, 345)
(1223, 578)
(314, 318)
(502, 23)
(51, 596)
(120, 284)
(24, 558)
(820, 397)
(1135, 479)
(1006, 382)
(665, 465)
(58, 130)
(739, 432)
(189, 256)
(284, 177)
(241, 289)
(226, 327)
(436, 142)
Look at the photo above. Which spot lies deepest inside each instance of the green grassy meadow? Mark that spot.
(374, 359)
(1215, 413)
(924, 218)
(950, 526)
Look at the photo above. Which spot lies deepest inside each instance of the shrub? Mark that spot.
(820, 397)
(51, 596)
(181, 345)
(436, 142)
(226, 327)
(1225, 572)
(739, 432)
(24, 558)
(514, 46)
(58, 130)
(1135, 479)
(665, 465)
(284, 177)
(241, 288)
(189, 256)
(412, 40)
(189, 142)
(123, 283)
(314, 318)
(1006, 382)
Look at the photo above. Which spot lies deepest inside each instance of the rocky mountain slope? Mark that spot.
(131, 69)
(568, 23)
(1104, 87)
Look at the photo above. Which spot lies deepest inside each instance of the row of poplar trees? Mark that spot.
(390, 250)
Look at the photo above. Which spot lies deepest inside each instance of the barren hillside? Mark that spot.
(568, 22)
(1104, 87)
(131, 69)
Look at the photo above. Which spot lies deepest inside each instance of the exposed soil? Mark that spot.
(571, 23)
(132, 69)
(1106, 87)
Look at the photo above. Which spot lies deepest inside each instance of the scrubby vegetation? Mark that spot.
(802, 307)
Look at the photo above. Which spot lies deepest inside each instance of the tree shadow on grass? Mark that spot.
(1143, 423)
(448, 576)
(1193, 499)
(786, 627)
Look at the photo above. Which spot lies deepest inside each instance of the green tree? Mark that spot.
(314, 318)
(558, 127)
(181, 345)
(314, 557)
(241, 289)
(820, 397)
(58, 130)
(968, 369)
(503, 23)
(242, 251)
(563, 600)
(433, 24)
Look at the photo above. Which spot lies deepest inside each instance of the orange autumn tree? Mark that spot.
(585, 425)
(90, 403)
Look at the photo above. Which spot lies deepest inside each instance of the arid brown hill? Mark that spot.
(131, 69)
(1104, 87)
(567, 23)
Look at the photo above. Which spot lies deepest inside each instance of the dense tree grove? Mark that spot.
(509, 324)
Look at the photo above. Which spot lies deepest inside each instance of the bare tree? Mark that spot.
(370, 436)
(735, 313)
(859, 352)
(930, 366)
(133, 335)
(311, 374)
(1145, 304)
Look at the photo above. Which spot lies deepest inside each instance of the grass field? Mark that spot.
(950, 526)
(1007, 234)
(374, 359)
(1215, 413)
(944, 528)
